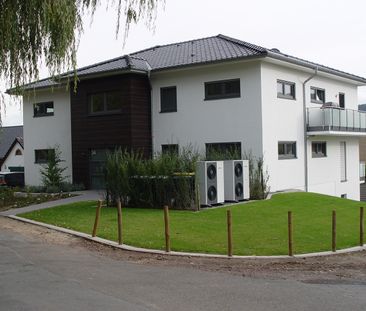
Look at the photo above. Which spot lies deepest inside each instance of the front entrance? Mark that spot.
(97, 160)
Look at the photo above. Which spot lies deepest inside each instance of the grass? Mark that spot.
(259, 228)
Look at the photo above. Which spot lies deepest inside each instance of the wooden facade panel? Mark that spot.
(130, 129)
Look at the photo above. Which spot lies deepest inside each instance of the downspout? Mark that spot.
(306, 174)
(151, 108)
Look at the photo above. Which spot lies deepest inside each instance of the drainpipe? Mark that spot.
(306, 129)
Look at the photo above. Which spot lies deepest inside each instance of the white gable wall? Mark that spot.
(13, 159)
(46, 132)
(199, 121)
(283, 121)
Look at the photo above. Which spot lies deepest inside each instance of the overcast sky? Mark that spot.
(330, 32)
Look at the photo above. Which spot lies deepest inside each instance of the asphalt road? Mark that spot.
(35, 275)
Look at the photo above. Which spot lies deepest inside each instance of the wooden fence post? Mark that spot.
(119, 208)
(290, 236)
(97, 216)
(334, 231)
(362, 225)
(229, 234)
(167, 228)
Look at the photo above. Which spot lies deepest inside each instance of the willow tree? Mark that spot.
(47, 31)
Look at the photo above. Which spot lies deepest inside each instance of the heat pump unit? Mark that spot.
(210, 176)
(236, 178)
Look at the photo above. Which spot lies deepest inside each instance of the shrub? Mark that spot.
(52, 172)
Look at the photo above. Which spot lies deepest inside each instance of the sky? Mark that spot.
(329, 32)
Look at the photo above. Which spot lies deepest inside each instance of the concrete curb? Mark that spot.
(159, 252)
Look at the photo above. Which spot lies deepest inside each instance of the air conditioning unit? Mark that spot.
(236, 177)
(210, 176)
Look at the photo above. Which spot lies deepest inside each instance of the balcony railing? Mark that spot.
(335, 119)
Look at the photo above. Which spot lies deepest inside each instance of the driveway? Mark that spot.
(45, 270)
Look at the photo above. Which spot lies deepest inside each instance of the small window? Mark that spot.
(285, 89)
(168, 99)
(42, 155)
(106, 102)
(222, 89)
(344, 196)
(223, 151)
(319, 149)
(18, 152)
(341, 100)
(317, 95)
(170, 149)
(43, 109)
(287, 150)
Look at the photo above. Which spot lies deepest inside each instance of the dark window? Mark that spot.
(168, 99)
(317, 95)
(18, 152)
(285, 89)
(319, 149)
(172, 149)
(106, 102)
(287, 150)
(43, 109)
(42, 155)
(222, 89)
(223, 151)
(341, 100)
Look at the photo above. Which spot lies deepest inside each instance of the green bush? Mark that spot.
(166, 179)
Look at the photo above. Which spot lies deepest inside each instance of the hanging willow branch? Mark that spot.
(48, 31)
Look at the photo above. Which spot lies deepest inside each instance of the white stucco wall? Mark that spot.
(283, 121)
(13, 159)
(199, 121)
(46, 132)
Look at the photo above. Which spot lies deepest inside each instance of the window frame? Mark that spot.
(44, 114)
(317, 154)
(18, 152)
(283, 95)
(222, 95)
(286, 156)
(42, 161)
(161, 99)
(314, 100)
(105, 111)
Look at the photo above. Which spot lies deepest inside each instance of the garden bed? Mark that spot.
(259, 228)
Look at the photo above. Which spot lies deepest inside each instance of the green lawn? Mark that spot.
(259, 228)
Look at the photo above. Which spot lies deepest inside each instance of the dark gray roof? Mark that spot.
(7, 136)
(188, 53)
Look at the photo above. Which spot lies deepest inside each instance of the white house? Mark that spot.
(211, 92)
(11, 149)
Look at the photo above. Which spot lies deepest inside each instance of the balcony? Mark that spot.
(334, 121)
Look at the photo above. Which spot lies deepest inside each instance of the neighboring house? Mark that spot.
(215, 92)
(11, 148)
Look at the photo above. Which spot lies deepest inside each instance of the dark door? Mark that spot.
(97, 160)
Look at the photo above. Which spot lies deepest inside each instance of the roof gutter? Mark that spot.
(306, 170)
(303, 63)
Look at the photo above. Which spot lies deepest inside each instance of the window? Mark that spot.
(172, 149)
(319, 149)
(285, 89)
(42, 155)
(18, 152)
(223, 151)
(343, 159)
(106, 102)
(287, 150)
(317, 95)
(43, 109)
(341, 100)
(168, 99)
(344, 196)
(222, 89)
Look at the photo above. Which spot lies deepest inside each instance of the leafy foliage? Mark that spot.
(165, 179)
(36, 31)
